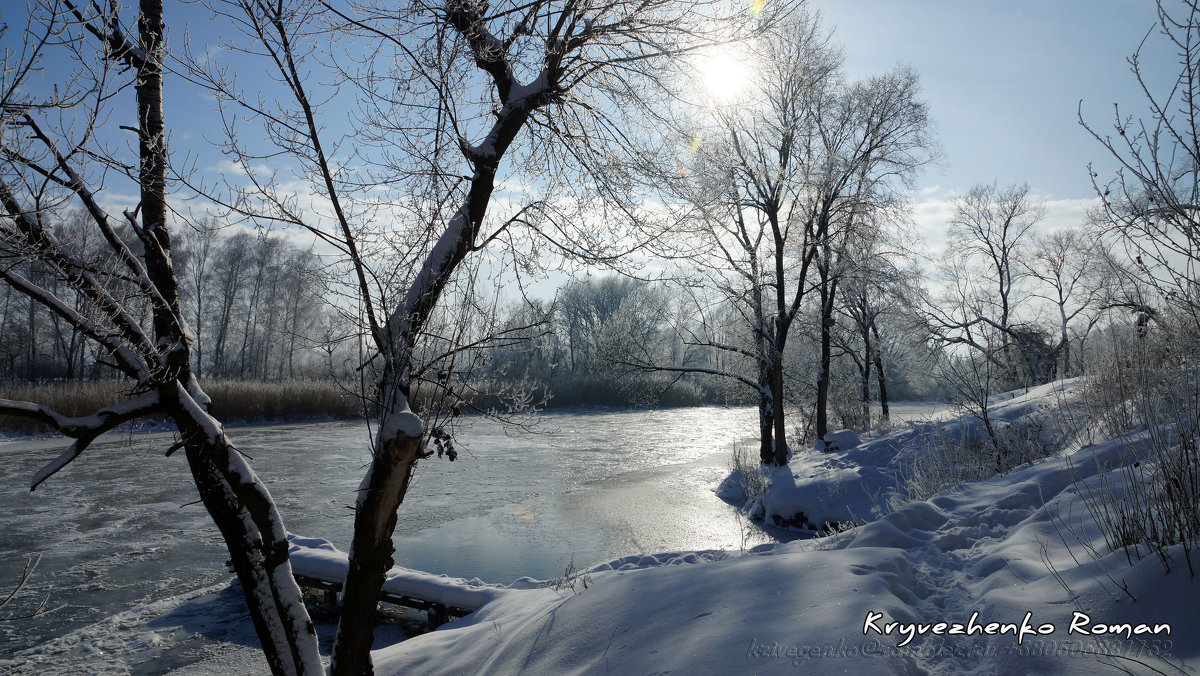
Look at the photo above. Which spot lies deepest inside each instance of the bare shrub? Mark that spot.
(572, 579)
(750, 475)
(946, 456)
(1150, 501)
(940, 459)
(30, 565)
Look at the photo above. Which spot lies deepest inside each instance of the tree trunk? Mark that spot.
(823, 374)
(766, 414)
(1065, 371)
(253, 531)
(380, 496)
(881, 377)
(866, 382)
(766, 422)
(777, 399)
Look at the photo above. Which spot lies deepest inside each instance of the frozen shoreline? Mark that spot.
(992, 576)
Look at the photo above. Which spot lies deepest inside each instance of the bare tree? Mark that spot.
(1078, 283)
(883, 282)
(1151, 206)
(989, 234)
(55, 157)
(795, 169)
(888, 143)
(451, 97)
(584, 308)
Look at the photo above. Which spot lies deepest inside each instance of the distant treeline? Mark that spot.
(584, 348)
(254, 304)
(260, 311)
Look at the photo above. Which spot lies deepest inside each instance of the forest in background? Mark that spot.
(275, 341)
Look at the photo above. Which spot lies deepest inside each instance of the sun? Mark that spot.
(723, 75)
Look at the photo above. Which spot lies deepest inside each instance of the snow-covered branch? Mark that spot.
(83, 429)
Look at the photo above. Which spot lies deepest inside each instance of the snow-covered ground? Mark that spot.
(1007, 576)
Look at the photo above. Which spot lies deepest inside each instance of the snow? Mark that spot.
(847, 480)
(402, 423)
(1006, 575)
(838, 440)
(319, 559)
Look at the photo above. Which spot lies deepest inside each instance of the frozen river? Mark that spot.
(125, 547)
(138, 568)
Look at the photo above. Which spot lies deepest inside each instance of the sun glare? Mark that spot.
(723, 75)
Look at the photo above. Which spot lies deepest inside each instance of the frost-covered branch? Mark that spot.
(30, 565)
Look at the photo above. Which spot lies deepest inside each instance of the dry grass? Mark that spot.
(68, 398)
(255, 400)
(233, 400)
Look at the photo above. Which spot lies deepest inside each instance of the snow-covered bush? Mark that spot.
(748, 480)
(950, 454)
(940, 459)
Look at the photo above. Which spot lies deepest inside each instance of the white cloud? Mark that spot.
(932, 217)
(1066, 213)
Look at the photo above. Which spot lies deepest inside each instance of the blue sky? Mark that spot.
(1004, 81)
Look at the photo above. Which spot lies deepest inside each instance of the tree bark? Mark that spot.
(253, 532)
(777, 399)
(866, 381)
(397, 444)
(371, 551)
(766, 423)
(822, 413)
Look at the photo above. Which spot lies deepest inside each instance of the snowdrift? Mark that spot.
(318, 559)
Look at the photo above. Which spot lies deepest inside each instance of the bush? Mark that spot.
(748, 480)
(947, 454)
(1149, 397)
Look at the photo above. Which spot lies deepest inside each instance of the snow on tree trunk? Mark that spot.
(253, 530)
(397, 449)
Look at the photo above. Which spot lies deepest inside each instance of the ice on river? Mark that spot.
(139, 568)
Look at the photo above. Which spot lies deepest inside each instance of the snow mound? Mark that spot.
(320, 560)
(638, 561)
(839, 440)
(845, 480)
(730, 487)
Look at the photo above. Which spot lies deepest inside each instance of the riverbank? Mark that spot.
(1013, 574)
